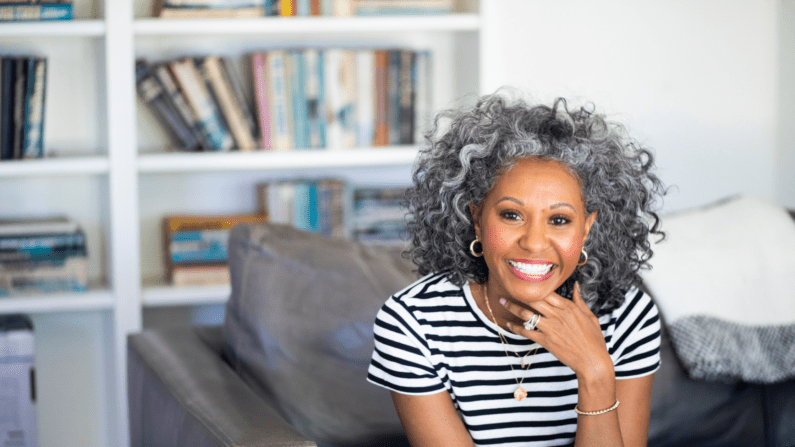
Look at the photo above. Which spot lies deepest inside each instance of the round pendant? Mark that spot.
(519, 394)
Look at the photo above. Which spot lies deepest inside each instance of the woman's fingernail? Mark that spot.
(502, 301)
(508, 324)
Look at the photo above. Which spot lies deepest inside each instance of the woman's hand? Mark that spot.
(569, 331)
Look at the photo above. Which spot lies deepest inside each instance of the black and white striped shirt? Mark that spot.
(432, 337)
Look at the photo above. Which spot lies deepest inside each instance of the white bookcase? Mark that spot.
(107, 168)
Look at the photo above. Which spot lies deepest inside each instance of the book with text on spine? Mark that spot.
(37, 12)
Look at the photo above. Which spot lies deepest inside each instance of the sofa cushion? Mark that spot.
(299, 324)
(722, 280)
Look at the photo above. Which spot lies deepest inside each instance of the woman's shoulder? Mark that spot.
(637, 305)
(429, 294)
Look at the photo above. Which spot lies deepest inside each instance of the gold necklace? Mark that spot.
(520, 392)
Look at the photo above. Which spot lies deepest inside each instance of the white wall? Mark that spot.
(786, 123)
(695, 80)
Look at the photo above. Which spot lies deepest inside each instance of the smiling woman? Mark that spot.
(531, 223)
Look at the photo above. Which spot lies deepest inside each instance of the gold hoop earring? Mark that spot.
(585, 255)
(472, 248)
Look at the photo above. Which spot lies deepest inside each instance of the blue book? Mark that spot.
(26, 13)
(314, 219)
(302, 8)
(301, 204)
(298, 102)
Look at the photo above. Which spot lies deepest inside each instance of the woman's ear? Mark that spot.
(589, 223)
(474, 211)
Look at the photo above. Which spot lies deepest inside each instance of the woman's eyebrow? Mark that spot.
(512, 199)
(558, 205)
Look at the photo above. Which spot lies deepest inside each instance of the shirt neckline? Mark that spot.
(470, 299)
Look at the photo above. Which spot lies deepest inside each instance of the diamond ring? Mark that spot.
(532, 322)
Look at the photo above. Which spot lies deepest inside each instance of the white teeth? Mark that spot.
(532, 269)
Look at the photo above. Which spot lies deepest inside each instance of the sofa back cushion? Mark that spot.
(299, 326)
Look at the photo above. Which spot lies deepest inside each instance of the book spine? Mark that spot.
(20, 92)
(314, 115)
(314, 7)
(286, 8)
(334, 97)
(177, 102)
(200, 275)
(211, 3)
(381, 95)
(422, 101)
(393, 99)
(279, 96)
(349, 91)
(242, 99)
(298, 99)
(365, 107)
(7, 112)
(406, 109)
(39, 12)
(211, 13)
(302, 8)
(34, 129)
(261, 86)
(198, 64)
(231, 109)
(202, 104)
(156, 98)
(71, 276)
(302, 206)
(343, 8)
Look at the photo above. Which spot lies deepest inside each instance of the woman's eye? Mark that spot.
(510, 215)
(560, 220)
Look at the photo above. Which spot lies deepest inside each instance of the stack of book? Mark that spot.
(196, 247)
(192, 9)
(42, 256)
(311, 205)
(22, 93)
(339, 99)
(34, 10)
(379, 217)
(403, 7)
(199, 104)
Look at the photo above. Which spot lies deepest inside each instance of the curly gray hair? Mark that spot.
(460, 167)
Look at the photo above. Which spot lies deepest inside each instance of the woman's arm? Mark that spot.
(431, 420)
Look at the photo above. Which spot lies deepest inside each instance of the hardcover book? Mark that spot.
(34, 124)
(231, 109)
(177, 101)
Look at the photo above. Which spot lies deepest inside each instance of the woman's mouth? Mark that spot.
(535, 271)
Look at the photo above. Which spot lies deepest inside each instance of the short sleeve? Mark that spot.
(635, 343)
(400, 360)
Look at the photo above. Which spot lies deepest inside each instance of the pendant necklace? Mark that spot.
(520, 392)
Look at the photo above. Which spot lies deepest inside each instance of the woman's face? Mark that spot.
(532, 225)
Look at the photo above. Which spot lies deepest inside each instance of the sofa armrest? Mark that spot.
(181, 392)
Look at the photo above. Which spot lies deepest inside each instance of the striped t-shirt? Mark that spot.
(432, 337)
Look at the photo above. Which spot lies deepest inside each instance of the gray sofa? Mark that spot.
(241, 385)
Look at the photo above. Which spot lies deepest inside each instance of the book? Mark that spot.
(315, 98)
(211, 13)
(7, 112)
(177, 101)
(33, 226)
(423, 108)
(406, 97)
(151, 91)
(70, 276)
(242, 98)
(261, 80)
(310, 205)
(297, 70)
(365, 107)
(230, 108)
(286, 8)
(341, 91)
(399, 7)
(19, 115)
(279, 98)
(381, 135)
(37, 12)
(200, 275)
(199, 246)
(343, 8)
(211, 227)
(34, 122)
(198, 97)
(393, 97)
(378, 216)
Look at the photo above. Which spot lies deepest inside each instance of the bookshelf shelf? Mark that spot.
(66, 28)
(301, 25)
(160, 295)
(271, 161)
(96, 299)
(90, 165)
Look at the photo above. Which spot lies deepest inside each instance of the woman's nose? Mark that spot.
(533, 238)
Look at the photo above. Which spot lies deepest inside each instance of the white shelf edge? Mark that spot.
(274, 160)
(166, 295)
(303, 25)
(65, 28)
(100, 299)
(54, 166)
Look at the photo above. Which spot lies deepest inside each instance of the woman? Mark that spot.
(530, 223)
